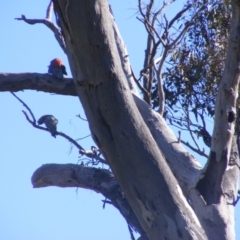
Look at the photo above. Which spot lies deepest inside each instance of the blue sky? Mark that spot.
(51, 213)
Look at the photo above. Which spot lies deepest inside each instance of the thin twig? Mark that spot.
(138, 84)
(179, 14)
(47, 21)
(202, 153)
(79, 116)
(83, 137)
(187, 25)
(165, 4)
(26, 106)
(74, 142)
(190, 130)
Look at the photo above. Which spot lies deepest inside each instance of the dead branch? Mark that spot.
(144, 91)
(179, 14)
(77, 145)
(186, 27)
(94, 155)
(198, 151)
(26, 106)
(187, 125)
(49, 10)
(95, 179)
(47, 83)
(79, 116)
(14, 82)
(48, 22)
(164, 41)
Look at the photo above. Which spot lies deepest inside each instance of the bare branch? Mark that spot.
(98, 180)
(156, 61)
(179, 14)
(14, 82)
(140, 7)
(89, 153)
(155, 15)
(79, 116)
(149, 54)
(57, 31)
(70, 140)
(94, 155)
(149, 8)
(49, 11)
(161, 93)
(57, 133)
(187, 25)
(26, 106)
(145, 92)
(47, 83)
(151, 31)
(198, 151)
(33, 124)
(154, 40)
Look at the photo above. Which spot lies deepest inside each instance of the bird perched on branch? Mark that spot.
(50, 122)
(57, 69)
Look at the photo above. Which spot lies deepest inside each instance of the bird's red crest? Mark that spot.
(57, 62)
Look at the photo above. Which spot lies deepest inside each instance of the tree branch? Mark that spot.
(163, 136)
(116, 124)
(198, 151)
(95, 179)
(144, 91)
(88, 153)
(211, 186)
(26, 106)
(179, 14)
(187, 25)
(49, 11)
(14, 82)
(47, 22)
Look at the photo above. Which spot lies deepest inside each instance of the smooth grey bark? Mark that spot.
(117, 126)
(121, 133)
(99, 180)
(156, 174)
(225, 116)
(184, 166)
(14, 82)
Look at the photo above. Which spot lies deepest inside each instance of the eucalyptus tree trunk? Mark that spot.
(169, 195)
(166, 207)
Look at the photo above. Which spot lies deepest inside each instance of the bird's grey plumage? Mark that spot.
(58, 72)
(57, 69)
(50, 122)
